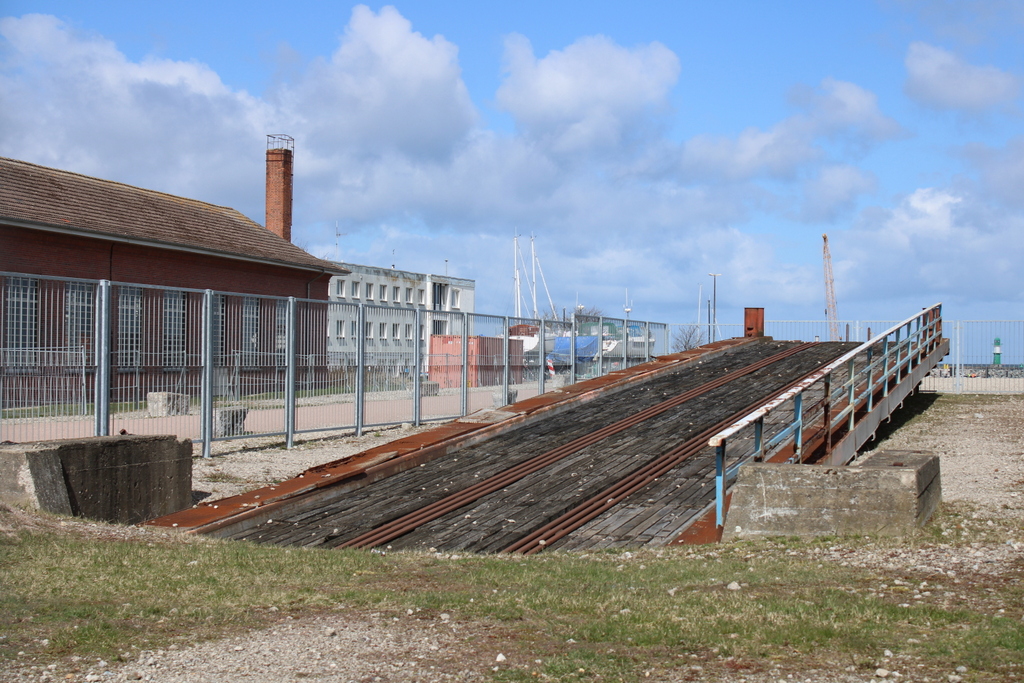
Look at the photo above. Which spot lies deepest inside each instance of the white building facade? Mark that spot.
(393, 309)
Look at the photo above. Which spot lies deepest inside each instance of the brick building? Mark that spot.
(61, 233)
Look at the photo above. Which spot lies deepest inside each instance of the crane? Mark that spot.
(831, 309)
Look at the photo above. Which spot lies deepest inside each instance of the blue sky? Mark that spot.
(644, 146)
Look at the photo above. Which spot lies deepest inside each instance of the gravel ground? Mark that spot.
(242, 465)
(980, 440)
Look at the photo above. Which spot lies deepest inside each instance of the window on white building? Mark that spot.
(369, 330)
(396, 293)
(354, 289)
(420, 299)
(408, 330)
(408, 295)
(383, 331)
(456, 297)
(369, 291)
(354, 327)
(339, 327)
(382, 293)
(395, 327)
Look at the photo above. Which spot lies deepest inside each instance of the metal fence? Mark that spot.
(83, 358)
(986, 356)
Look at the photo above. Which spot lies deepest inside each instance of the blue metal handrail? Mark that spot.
(911, 339)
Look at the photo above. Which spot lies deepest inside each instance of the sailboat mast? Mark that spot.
(515, 266)
(533, 261)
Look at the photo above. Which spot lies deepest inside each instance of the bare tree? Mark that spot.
(687, 337)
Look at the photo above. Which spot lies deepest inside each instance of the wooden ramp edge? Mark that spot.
(321, 484)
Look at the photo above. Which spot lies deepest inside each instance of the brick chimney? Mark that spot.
(280, 151)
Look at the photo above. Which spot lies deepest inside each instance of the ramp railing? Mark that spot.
(854, 392)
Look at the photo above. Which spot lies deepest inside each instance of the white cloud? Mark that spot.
(593, 94)
(835, 110)
(833, 190)
(82, 106)
(1002, 170)
(940, 79)
(385, 89)
(936, 244)
(390, 145)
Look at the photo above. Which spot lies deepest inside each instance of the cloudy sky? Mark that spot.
(644, 146)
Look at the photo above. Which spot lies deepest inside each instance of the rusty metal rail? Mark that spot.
(627, 486)
(403, 525)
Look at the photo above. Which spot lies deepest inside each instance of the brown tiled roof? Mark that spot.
(80, 203)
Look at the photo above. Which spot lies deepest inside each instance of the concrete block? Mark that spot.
(500, 398)
(164, 403)
(229, 421)
(124, 479)
(888, 493)
(33, 479)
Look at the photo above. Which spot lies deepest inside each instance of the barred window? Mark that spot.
(129, 327)
(22, 320)
(78, 309)
(174, 329)
(281, 332)
(250, 330)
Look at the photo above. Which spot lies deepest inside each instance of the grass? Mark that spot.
(608, 614)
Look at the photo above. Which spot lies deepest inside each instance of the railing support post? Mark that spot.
(101, 398)
(827, 417)
(852, 394)
(798, 424)
(600, 346)
(720, 484)
(289, 374)
(759, 440)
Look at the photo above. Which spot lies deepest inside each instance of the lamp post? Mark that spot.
(714, 303)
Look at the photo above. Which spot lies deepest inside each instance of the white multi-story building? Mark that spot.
(390, 299)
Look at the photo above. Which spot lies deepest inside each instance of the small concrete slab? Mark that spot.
(888, 493)
(229, 421)
(165, 403)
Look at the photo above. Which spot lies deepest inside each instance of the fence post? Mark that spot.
(103, 359)
(206, 376)
(625, 344)
(542, 368)
(600, 346)
(464, 407)
(289, 374)
(572, 350)
(417, 362)
(647, 342)
(505, 370)
(360, 366)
